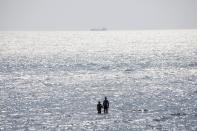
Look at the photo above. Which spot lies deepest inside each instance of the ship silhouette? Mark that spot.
(98, 29)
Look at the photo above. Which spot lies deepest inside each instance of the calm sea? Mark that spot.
(53, 80)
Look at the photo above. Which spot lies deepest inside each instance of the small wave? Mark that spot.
(178, 114)
(129, 70)
(164, 118)
(193, 64)
(105, 68)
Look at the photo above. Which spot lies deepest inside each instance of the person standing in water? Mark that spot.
(106, 105)
(99, 107)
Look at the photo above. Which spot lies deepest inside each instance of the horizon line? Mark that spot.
(9, 30)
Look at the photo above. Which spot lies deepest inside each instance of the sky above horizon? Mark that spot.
(87, 14)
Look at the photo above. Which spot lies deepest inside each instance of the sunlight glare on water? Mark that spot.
(53, 80)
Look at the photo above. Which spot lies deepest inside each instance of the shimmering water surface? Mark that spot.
(53, 80)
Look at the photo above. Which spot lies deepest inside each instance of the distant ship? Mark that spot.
(98, 29)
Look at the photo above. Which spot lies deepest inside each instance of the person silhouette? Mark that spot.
(99, 107)
(106, 105)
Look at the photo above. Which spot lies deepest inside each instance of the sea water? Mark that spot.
(53, 80)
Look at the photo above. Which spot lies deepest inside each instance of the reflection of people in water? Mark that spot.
(106, 105)
(99, 107)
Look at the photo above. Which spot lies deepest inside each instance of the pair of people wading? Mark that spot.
(105, 106)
